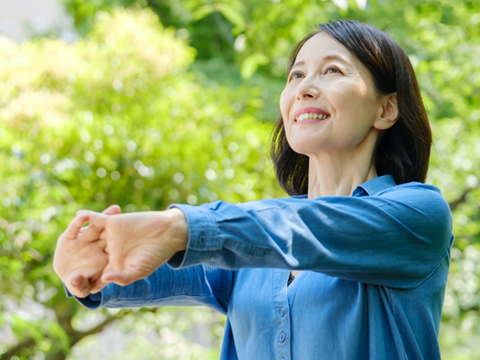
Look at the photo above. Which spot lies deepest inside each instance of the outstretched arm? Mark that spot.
(129, 249)
(194, 286)
(395, 238)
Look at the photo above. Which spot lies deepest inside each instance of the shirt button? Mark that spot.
(202, 240)
(282, 312)
(282, 337)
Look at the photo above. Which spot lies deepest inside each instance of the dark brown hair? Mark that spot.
(403, 150)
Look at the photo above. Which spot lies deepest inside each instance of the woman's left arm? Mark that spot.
(395, 238)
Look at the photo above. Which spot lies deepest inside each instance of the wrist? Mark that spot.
(179, 228)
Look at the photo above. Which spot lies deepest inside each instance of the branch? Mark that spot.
(219, 20)
(79, 335)
(454, 204)
(56, 356)
(28, 342)
(76, 337)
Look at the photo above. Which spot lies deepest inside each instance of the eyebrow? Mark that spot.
(328, 57)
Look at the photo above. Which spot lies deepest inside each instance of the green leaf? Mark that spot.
(202, 12)
(251, 63)
(232, 15)
(55, 332)
(22, 327)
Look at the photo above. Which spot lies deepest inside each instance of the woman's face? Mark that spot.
(329, 103)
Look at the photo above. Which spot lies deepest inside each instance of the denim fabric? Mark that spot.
(375, 266)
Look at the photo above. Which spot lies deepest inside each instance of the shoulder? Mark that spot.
(421, 206)
(417, 195)
(412, 186)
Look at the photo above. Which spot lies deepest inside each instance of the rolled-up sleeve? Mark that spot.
(395, 238)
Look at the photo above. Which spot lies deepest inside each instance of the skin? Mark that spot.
(327, 76)
(123, 248)
(118, 248)
(81, 263)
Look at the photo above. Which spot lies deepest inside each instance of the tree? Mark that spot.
(241, 53)
(113, 118)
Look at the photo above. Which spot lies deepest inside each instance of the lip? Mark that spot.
(307, 110)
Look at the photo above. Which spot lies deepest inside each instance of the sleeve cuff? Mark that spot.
(92, 301)
(203, 239)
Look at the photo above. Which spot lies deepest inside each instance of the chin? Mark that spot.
(309, 142)
(304, 150)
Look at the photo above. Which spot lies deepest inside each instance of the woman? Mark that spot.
(352, 266)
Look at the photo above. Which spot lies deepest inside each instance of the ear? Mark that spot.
(389, 112)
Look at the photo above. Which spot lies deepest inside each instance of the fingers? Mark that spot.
(78, 285)
(112, 210)
(94, 218)
(98, 285)
(123, 278)
(91, 233)
(97, 224)
(75, 226)
(82, 230)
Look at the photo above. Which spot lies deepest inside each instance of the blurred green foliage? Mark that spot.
(113, 118)
(143, 115)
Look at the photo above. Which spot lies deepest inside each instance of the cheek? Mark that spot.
(285, 102)
(355, 105)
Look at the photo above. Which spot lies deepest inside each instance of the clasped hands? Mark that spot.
(115, 247)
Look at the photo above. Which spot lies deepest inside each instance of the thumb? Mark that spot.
(100, 283)
(112, 210)
(124, 277)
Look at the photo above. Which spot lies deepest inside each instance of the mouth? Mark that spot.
(311, 116)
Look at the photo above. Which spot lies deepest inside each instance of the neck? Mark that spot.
(333, 174)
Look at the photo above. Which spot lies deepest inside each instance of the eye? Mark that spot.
(296, 75)
(332, 70)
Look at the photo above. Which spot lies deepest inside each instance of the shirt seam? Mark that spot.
(165, 297)
(446, 255)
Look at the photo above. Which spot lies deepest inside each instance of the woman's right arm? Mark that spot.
(197, 285)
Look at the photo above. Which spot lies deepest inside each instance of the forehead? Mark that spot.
(321, 46)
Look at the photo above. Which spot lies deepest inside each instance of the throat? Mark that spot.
(292, 276)
(344, 175)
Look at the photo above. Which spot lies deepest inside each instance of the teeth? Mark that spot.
(311, 116)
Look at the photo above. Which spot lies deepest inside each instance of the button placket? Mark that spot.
(282, 318)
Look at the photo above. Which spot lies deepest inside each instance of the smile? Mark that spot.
(310, 116)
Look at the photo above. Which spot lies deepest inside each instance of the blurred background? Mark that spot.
(152, 102)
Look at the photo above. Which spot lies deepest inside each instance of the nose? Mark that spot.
(307, 89)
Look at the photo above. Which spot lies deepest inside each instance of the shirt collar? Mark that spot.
(368, 188)
(374, 186)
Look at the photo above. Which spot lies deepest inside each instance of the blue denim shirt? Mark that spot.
(375, 269)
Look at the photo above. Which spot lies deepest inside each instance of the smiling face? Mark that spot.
(330, 103)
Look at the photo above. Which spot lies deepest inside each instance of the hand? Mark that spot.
(80, 263)
(137, 243)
